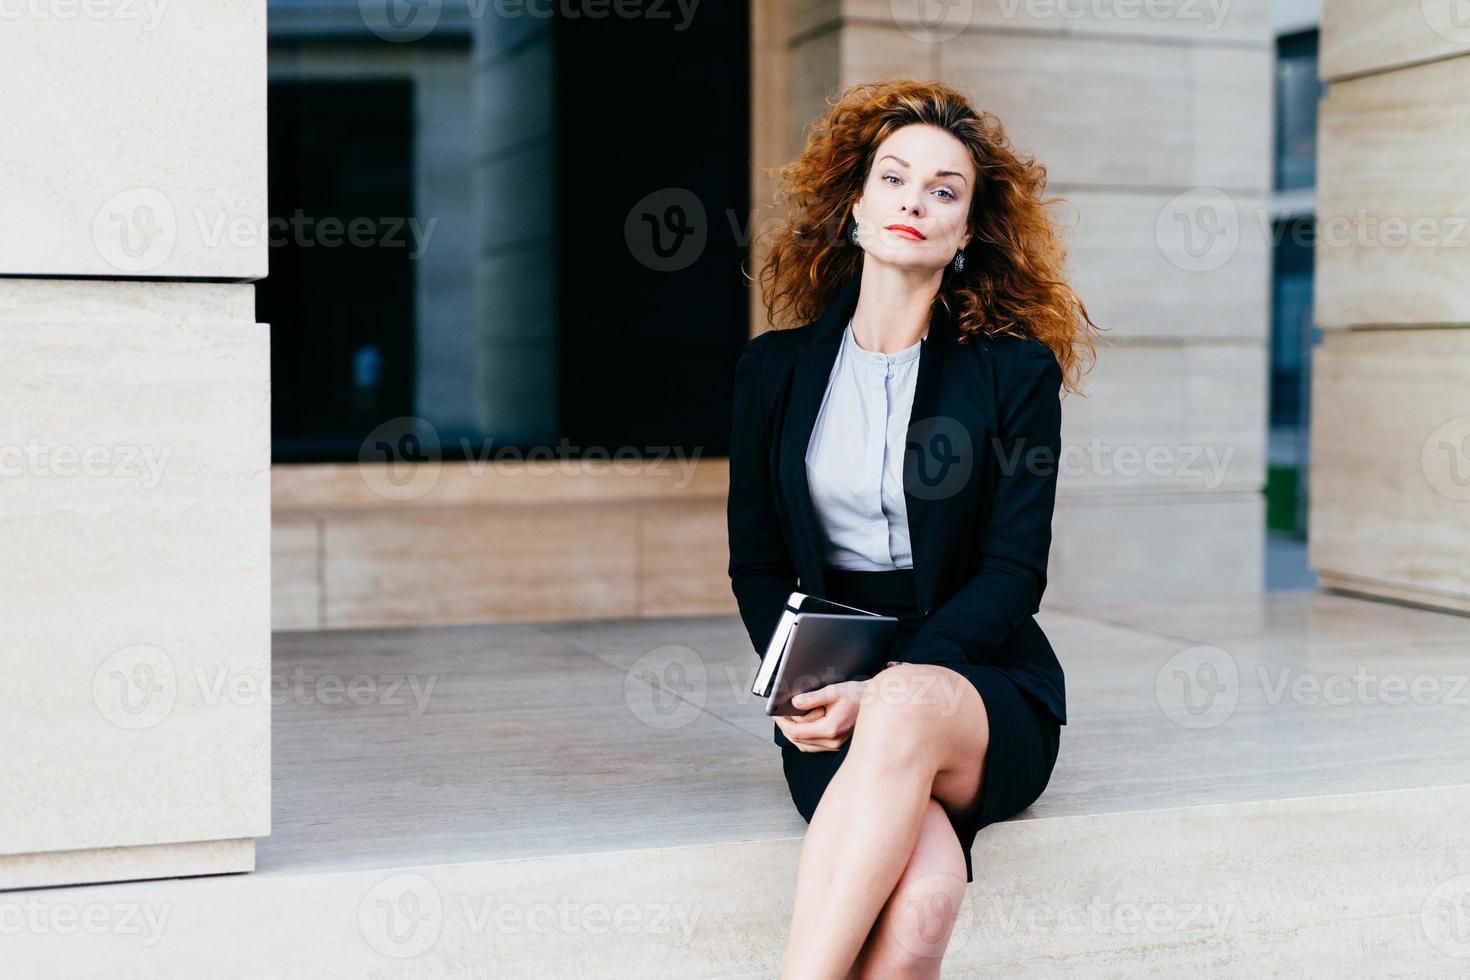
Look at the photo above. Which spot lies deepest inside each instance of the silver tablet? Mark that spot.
(825, 649)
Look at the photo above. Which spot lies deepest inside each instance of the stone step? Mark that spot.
(597, 799)
(1366, 884)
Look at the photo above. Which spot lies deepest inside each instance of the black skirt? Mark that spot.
(1024, 737)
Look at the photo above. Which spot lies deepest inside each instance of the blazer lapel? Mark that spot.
(920, 502)
(813, 369)
(814, 360)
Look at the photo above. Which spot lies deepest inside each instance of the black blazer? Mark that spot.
(980, 478)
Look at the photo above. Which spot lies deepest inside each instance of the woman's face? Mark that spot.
(916, 201)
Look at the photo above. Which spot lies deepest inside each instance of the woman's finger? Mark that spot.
(806, 716)
(823, 746)
(823, 729)
(822, 725)
(815, 731)
(821, 696)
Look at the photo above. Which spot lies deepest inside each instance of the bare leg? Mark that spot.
(922, 734)
(912, 932)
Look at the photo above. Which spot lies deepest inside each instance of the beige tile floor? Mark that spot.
(564, 738)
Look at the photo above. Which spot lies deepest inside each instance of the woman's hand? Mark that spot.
(827, 722)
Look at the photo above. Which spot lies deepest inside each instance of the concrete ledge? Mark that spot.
(1355, 885)
(599, 799)
(104, 864)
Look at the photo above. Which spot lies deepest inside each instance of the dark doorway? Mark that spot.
(340, 294)
(653, 160)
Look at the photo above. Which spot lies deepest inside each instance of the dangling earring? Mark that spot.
(959, 261)
(854, 235)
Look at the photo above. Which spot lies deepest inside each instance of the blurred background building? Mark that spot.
(574, 201)
(1293, 209)
(578, 200)
(499, 159)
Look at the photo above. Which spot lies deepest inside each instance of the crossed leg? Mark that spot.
(912, 932)
(864, 884)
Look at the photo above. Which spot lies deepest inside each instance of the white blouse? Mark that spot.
(854, 462)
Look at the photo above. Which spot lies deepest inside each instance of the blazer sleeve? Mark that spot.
(1016, 538)
(762, 574)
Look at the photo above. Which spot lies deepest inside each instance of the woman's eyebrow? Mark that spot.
(937, 173)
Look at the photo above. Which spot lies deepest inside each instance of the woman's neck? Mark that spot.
(893, 307)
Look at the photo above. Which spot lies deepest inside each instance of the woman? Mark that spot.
(898, 452)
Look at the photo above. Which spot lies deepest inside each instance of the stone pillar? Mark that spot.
(1154, 120)
(1390, 494)
(134, 443)
(516, 278)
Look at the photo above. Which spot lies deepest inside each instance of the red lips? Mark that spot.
(910, 232)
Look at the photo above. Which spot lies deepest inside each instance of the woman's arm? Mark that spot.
(762, 574)
(1016, 539)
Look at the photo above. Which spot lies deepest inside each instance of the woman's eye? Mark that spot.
(950, 194)
(894, 176)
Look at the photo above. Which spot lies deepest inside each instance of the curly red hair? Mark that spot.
(1013, 280)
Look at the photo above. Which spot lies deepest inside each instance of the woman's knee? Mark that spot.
(904, 713)
(932, 690)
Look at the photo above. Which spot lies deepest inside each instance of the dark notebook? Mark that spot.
(818, 642)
